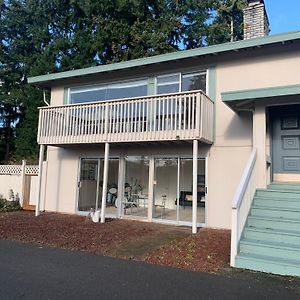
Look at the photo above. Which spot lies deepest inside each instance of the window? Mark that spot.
(168, 84)
(193, 81)
(181, 82)
(128, 89)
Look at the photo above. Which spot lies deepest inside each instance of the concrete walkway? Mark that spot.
(32, 272)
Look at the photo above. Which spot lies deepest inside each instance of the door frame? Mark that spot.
(177, 221)
(98, 158)
(270, 119)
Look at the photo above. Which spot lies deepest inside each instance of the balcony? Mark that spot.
(180, 116)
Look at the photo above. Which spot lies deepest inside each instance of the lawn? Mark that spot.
(208, 251)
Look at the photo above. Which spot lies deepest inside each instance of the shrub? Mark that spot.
(7, 206)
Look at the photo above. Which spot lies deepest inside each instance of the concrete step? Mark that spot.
(284, 186)
(273, 249)
(269, 235)
(273, 202)
(268, 264)
(275, 212)
(278, 194)
(273, 223)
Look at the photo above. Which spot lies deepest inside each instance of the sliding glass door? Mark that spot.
(88, 196)
(186, 190)
(173, 190)
(135, 201)
(91, 184)
(165, 189)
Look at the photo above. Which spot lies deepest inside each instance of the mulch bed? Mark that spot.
(207, 251)
(173, 246)
(71, 231)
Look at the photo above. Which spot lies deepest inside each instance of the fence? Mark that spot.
(19, 182)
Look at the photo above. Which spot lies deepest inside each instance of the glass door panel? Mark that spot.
(112, 186)
(165, 189)
(88, 184)
(186, 190)
(136, 184)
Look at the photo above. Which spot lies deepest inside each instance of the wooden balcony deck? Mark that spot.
(180, 116)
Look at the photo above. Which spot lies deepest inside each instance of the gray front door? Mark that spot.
(286, 143)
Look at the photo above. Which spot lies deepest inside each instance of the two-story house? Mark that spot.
(203, 137)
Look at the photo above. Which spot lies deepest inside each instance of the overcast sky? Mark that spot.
(284, 15)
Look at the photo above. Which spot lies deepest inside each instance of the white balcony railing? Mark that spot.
(180, 116)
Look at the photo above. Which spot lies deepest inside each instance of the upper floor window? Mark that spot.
(181, 82)
(129, 89)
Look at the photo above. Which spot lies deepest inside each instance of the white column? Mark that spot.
(121, 177)
(151, 189)
(23, 181)
(105, 178)
(259, 142)
(178, 189)
(39, 192)
(195, 172)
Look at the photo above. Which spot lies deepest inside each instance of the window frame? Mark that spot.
(106, 85)
(181, 74)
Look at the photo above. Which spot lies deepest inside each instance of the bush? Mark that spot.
(7, 206)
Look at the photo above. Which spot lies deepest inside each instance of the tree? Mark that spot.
(227, 25)
(42, 36)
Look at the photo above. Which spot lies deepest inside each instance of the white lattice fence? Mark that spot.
(10, 169)
(15, 179)
(32, 170)
(17, 170)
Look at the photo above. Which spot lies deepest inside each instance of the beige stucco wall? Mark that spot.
(228, 155)
(57, 96)
(233, 143)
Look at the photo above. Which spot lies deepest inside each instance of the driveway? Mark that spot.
(32, 272)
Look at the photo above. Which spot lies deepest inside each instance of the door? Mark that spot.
(286, 144)
(88, 197)
(173, 190)
(165, 202)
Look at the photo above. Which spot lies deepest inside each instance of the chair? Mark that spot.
(162, 206)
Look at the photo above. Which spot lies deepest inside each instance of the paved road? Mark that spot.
(31, 272)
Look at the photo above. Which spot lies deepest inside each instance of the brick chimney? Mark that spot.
(256, 22)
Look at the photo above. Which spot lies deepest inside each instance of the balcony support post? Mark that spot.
(121, 178)
(195, 172)
(39, 192)
(151, 189)
(105, 178)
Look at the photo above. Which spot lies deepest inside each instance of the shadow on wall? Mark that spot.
(240, 127)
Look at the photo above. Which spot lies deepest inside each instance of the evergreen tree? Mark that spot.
(42, 36)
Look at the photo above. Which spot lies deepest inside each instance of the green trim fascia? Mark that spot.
(215, 49)
(212, 93)
(261, 93)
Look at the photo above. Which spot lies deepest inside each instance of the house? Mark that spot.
(203, 137)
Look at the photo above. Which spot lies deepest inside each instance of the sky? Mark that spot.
(284, 15)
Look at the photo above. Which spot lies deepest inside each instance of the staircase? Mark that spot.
(271, 238)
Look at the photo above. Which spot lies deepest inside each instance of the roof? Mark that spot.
(235, 98)
(261, 93)
(47, 80)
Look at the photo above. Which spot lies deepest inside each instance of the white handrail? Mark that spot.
(244, 180)
(241, 203)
